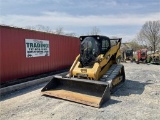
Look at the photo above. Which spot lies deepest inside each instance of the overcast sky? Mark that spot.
(121, 18)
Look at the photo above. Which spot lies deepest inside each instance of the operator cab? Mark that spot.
(143, 52)
(91, 47)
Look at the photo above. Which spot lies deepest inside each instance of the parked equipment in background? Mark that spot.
(123, 56)
(95, 73)
(142, 56)
(155, 58)
(129, 54)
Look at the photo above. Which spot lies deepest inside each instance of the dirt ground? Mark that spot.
(137, 99)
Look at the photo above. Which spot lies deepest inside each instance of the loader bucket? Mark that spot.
(88, 92)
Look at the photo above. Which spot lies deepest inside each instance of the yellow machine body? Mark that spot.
(95, 72)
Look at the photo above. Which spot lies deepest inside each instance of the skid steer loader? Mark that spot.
(95, 73)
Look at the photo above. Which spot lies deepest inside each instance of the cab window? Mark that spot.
(105, 45)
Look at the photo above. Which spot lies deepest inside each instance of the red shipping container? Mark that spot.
(14, 62)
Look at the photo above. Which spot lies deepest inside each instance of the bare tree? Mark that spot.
(59, 30)
(30, 27)
(95, 31)
(39, 28)
(150, 34)
(135, 46)
(71, 34)
(43, 28)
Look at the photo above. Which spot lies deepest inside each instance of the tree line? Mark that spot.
(60, 30)
(148, 36)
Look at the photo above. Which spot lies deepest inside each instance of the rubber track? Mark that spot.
(111, 73)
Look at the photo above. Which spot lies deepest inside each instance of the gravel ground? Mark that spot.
(138, 98)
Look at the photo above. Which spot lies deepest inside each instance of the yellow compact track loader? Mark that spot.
(95, 73)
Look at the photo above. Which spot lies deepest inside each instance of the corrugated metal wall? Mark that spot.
(14, 64)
